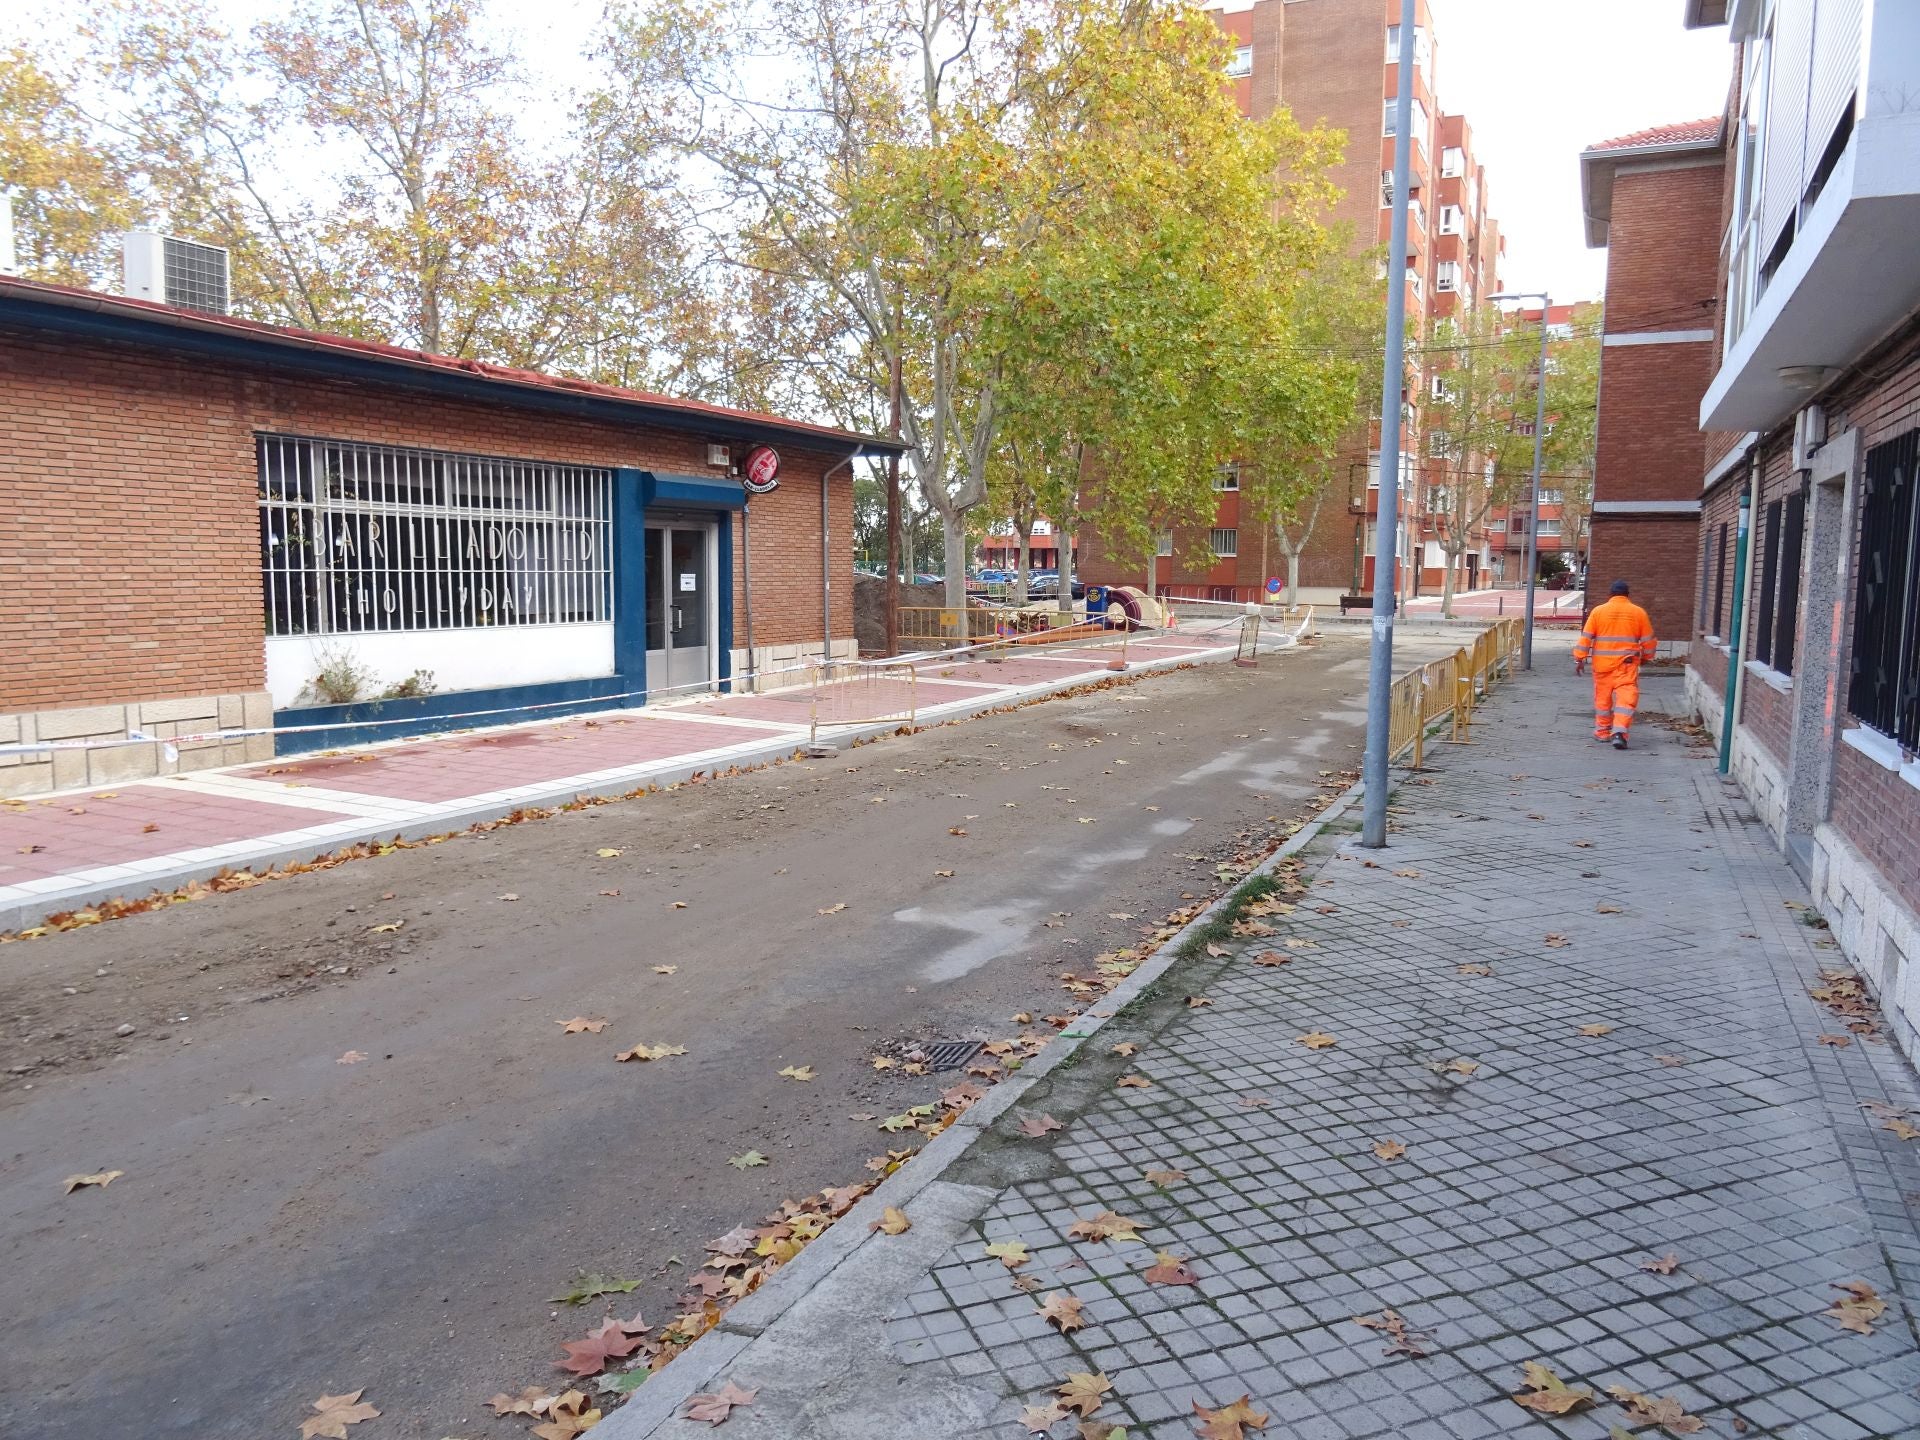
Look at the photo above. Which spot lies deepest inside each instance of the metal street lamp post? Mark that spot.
(1539, 435)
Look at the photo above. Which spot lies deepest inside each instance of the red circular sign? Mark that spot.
(762, 470)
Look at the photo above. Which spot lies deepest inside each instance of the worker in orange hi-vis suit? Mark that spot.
(1617, 638)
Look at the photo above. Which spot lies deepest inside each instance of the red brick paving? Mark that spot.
(81, 832)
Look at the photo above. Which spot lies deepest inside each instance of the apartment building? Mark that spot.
(1804, 653)
(1336, 62)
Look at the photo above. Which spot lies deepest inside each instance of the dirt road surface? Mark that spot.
(289, 1224)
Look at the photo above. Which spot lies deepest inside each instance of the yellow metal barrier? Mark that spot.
(1449, 688)
(954, 627)
(861, 692)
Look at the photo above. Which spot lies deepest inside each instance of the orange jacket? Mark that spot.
(1617, 633)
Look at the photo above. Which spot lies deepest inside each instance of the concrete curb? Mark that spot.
(27, 911)
(698, 1367)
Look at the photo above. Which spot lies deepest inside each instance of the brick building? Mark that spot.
(1649, 198)
(1772, 251)
(1336, 62)
(209, 523)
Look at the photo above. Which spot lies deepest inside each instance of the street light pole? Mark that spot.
(1539, 436)
(1386, 527)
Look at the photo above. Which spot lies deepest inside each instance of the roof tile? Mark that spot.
(1687, 132)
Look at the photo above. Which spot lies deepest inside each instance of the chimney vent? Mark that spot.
(181, 273)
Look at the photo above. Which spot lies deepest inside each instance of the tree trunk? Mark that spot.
(1446, 589)
(1293, 579)
(953, 529)
(1024, 528)
(1065, 537)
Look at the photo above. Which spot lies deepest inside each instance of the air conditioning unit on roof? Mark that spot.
(182, 273)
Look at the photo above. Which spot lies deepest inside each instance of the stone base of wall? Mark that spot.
(72, 768)
(1758, 773)
(777, 666)
(1878, 934)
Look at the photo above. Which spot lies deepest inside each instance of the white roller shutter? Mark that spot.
(1783, 173)
(1835, 74)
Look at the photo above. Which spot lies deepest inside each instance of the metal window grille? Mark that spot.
(357, 538)
(1226, 543)
(1706, 574)
(1769, 578)
(1884, 690)
(1786, 622)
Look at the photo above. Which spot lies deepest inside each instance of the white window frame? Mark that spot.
(1231, 536)
(1450, 219)
(1453, 162)
(1241, 65)
(1446, 275)
(1227, 478)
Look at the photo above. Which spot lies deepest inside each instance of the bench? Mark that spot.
(1355, 602)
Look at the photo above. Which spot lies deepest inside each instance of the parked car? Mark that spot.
(1045, 585)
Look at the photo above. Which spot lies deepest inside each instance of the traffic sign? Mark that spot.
(1273, 584)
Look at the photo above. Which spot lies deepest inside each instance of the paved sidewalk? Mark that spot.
(1550, 607)
(68, 851)
(1544, 1167)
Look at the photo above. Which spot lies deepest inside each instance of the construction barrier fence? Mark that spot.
(1449, 688)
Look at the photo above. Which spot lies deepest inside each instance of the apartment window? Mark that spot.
(1885, 690)
(358, 538)
(1720, 585)
(1438, 385)
(1449, 219)
(1414, 283)
(1497, 523)
(1422, 52)
(1386, 189)
(1763, 600)
(1227, 477)
(1549, 496)
(1241, 65)
(1549, 529)
(1163, 543)
(1440, 444)
(1453, 162)
(1419, 120)
(1446, 275)
(1786, 620)
(1226, 543)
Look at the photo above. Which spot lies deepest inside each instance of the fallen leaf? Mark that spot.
(1408, 874)
(533, 1400)
(334, 1414)
(893, 1221)
(389, 928)
(352, 1057)
(1196, 1002)
(1318, 1040)
(1905, 1130)
(1547, 1393)
(1133, 1082)
(1040, 1418)
(579, 1023)
(1839, 1042)
(1010, 1253)
(651, 1052)
(716, 1406)
(1389, 1149)
(1474, 968)
(833, 909)
(1252, 1102)
(944, 874)
(677, 905)
(1605, 909)
(607, 852)
(1665, 1265)
(1084, 1391)
(614, 1340)
(1171, 1269)
(1100, 1429)
(1216, 951)
(666, 969)
(748, 1161)
(149, 828)
(509, 896)
(1230, 1422)
(1862, 1306)
(956, 830)
(1034, 1126)
(1462, 1066)
(1165, 1177)
(569, 1416)
(798, 1072)
(1063, 1312)
(1583, 844)
(1125, 1047)
(1595, 1030)
(591, 1287)
(1104, 1226)
(1022, 1017)
(1401, 1340)
(882, 1062)
(99, 1180)
(1272, 959)
(1664, 1411)
(613, 894)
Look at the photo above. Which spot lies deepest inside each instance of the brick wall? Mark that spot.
(129, 531)
(1662, 246)
(1880, 813)
(1655, 555)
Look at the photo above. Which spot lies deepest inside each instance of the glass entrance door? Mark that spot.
(681, 608)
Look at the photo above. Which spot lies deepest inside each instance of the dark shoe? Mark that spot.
(1619, 742)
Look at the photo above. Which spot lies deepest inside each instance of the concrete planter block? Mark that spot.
(81, 723)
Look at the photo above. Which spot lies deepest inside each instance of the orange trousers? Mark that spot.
(1614, 697)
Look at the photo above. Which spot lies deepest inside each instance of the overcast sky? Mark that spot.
(1539, 81)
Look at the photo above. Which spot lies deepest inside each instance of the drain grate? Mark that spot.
(951, 1054)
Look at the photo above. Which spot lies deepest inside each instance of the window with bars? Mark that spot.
(1777, 616)
(1226, 543)
(357, 538)
(1884, 689)
(1763, 600)
(1720, 585)
(1706, 573)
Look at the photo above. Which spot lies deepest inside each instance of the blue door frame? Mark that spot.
(635, 492)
